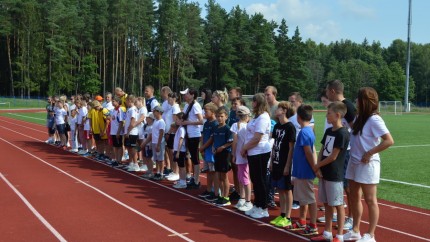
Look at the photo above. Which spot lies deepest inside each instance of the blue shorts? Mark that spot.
(61, 128)
(283, 184)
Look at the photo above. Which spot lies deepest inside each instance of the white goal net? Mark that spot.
(390, 107)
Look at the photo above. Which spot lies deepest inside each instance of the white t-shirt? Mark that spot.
(59, 116)
(168, 116)
(82, 112)
(373, 129)
(293, 120)
(145, 134)
(241, 134)
(108, 106)
(131, 113)
(261, 124)
(87, 125)
(73, 121)
(141, 112)
(156, 127)
(166, 108)
(180, 133)
(193, 130)
(117, 117)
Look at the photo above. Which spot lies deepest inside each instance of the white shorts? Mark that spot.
(330, 192)
(364, 173)
(304, 191)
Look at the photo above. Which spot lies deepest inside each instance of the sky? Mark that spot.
(326, 21)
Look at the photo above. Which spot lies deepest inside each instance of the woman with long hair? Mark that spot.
(369, 137)
(257, 149)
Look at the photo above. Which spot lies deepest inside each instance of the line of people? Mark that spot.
(269, 146)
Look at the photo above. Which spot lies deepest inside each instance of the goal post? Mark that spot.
(391, 107)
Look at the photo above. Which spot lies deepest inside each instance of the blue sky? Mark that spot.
(330, 20)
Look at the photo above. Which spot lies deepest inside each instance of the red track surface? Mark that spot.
(86, 201)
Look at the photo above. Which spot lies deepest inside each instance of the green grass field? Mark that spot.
(406, 161)
(14, 103)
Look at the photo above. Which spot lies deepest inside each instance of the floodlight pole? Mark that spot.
(408, 61)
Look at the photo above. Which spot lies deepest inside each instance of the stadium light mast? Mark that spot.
(408, 61)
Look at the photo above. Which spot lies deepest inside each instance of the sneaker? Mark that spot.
(274, 221)
(173, 177)
(310, 231)
(322, 219)
(234, 196)
(348, 224)
(283, 222)
(190, 180)
(351, 235)
(260, 213)
(366, 238)
(81, 152)
(193, 186)
(113, 163)
(148, 175)
(296, 226)
(251, 211)
(223, 201)
(322, 208)
(272, 204)
(134, 167)
(240, 203)
(204, 170)
(205, 194)
(167, 171)
(296, 205)
(143, 167)
(180, 185)
(157, 177)
(211, 198)
(74, 150)
(246, 207)
(322, 238)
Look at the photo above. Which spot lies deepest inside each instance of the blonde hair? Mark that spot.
(211, 107)
(261, 104)
(338, 107)
(223, 95)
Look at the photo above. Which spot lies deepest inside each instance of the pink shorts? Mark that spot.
(243, 174)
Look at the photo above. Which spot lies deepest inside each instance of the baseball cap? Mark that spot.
(243, 110)
(98, 98)
(150, 115)
(184, 91)
(158, 109)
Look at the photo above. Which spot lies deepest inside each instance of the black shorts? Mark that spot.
(147, 152)
(170, 141)
(51, 130)
(61, 128)
(222, 161)
(97, 137)
(131, 141)
(117, 143)
(181, 159)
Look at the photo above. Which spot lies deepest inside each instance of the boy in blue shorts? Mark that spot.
(206, 150)
(331, 160)
(222, 140)
(304, 160)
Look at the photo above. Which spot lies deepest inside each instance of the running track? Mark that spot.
(72, 198)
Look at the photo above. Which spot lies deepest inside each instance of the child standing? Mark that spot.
(158, 143)
(303, 163)
(239, 132)
(284, 135)
(146, 148)
(222, 139)
(180, 151)
(206, 151)
(142, 112)
(131, 133)
(50, 123)
(331, 160)
(117, 130)
(60, 121)
(73, 130)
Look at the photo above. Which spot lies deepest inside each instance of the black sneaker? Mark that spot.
(223, 201)
(205, 194)
(190, 180)
(234, 196)
(204, 170)
(271, 204)
(115, 164)
(193, 185)
(211, 198)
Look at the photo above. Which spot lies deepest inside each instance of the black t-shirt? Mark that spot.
(283, 134)
(334, 139)
(350, 112)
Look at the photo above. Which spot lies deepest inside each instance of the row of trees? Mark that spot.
(69, 46)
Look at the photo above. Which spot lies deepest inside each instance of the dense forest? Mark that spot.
(70, 46)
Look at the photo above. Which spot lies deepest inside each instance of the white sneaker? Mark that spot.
(134, 167)
(143, 167)
(240, 203)
(251, 211)
(351, 235)
(173, 177)
(180, 185)
(246, 207)
(260, 213)
(348, 224)
(322, 219)
(366, 238)
(170, 174)
(82, 152)
(74, 150)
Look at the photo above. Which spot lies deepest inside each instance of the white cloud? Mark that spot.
(352, 8)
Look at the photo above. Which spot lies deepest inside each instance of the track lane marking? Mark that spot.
(33, 210)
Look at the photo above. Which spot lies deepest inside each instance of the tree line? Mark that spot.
(69, 46)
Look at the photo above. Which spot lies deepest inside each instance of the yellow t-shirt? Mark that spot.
(98, 121)
(123, 100)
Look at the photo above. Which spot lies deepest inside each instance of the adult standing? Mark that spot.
(369, 137)
(257, 149)
(334, 92)
(168, 119)
(193, 119)
(121, 94)
(151, 102)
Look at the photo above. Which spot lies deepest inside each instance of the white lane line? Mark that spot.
(405, 183)
(104, 194)
(24, 116)
(37, 130)
(255, 220)
(408, 146)
(33, 210)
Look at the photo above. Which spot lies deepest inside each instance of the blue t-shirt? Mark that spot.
(51, 122)
(221, 136)
(208, 129)
(301, 167)
(232, 118)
